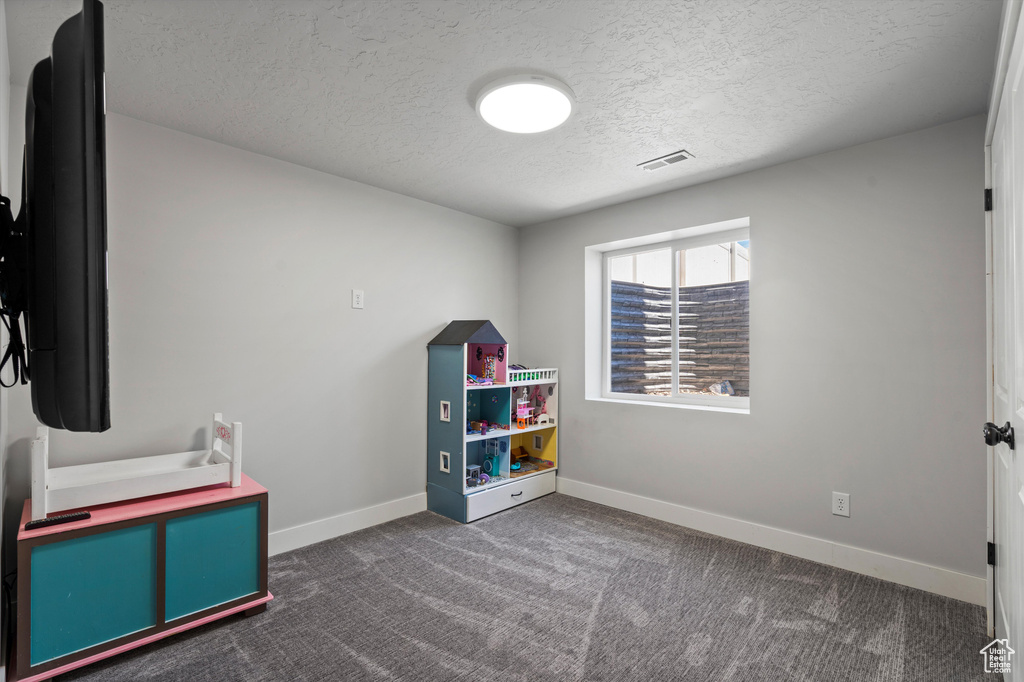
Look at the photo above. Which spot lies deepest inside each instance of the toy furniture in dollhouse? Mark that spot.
(484, 436)
(524, 414)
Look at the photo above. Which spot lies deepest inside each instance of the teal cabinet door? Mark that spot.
(211, 558)
(91, 590)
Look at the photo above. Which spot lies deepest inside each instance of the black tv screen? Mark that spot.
(64, 229)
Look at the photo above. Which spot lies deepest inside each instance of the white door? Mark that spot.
(1005, 508)
(1007, 271)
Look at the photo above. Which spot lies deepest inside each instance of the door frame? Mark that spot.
(990, 500)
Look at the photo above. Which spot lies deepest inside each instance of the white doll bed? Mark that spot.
(85, 485)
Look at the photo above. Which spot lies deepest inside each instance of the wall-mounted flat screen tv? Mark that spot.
(54, 266)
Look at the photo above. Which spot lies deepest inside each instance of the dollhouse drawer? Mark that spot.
(494, 500)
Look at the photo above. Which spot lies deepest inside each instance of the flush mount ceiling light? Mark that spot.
(525, 104)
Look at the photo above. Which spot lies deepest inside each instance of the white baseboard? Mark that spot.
(933, 579)
(316, 531)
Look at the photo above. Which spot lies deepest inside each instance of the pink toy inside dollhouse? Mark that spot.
(488, 361)
(524, 413)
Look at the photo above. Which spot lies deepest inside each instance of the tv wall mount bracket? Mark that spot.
(13, 294)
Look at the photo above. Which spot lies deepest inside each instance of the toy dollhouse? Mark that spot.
(494, 451)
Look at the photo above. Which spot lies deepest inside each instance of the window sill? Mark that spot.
(684, 406)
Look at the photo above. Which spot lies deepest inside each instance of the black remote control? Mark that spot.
(54, 520)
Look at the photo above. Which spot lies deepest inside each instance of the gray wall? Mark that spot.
(867, 366)
(230, 277)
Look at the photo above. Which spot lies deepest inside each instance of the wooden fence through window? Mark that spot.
(714, 338)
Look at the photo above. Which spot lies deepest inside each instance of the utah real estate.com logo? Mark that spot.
(997, 656)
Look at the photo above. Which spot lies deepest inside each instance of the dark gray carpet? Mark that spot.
(562, 589)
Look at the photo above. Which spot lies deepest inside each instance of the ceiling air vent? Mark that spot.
(667, 160)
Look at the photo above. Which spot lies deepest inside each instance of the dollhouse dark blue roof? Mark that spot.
(459, 332)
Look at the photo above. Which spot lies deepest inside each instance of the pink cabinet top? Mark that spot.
(143, 506)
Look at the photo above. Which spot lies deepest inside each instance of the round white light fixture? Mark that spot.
(525, 104)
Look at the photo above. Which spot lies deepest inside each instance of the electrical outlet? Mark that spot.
(840, 504)
(357, 299)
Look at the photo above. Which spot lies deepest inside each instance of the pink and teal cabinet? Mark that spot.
(518, 464)
(136, 572)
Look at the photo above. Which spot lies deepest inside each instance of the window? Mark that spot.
(677, 320)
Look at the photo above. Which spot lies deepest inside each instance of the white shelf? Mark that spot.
(491, 433)
(513, 384)
(477, 387)
(528, 429)
(498, 433)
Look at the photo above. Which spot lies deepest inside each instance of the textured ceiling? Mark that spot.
(382, 92)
